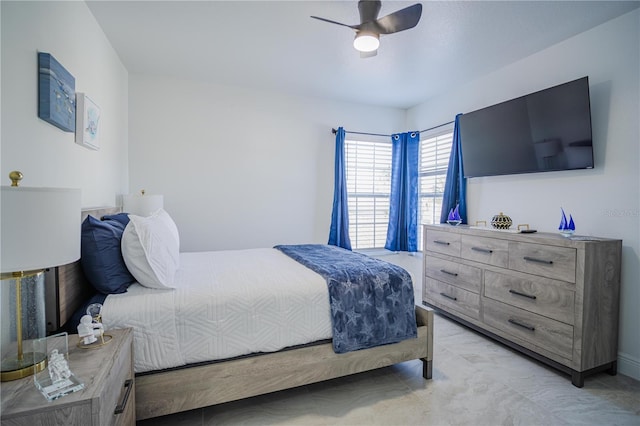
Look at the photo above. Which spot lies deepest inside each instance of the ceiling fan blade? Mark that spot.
(401, 20)
(354, 27)
(370, 26)
(368, 54)
(369, 10)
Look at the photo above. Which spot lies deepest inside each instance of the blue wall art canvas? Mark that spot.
(56, 93)
(87, 122)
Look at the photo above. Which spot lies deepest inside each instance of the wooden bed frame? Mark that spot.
(171, 391)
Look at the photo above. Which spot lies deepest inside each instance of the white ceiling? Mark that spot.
(275, 45)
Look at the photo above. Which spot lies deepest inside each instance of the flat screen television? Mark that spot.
(544, 131)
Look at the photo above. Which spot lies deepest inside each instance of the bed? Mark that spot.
(190, 381)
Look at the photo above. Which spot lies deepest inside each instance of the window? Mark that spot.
(368, 175)
(435, 148)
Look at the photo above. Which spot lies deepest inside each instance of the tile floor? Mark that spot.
(475, 382)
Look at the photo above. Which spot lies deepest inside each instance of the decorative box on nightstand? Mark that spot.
(108, 397)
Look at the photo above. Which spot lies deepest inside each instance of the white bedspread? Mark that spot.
(226, 304)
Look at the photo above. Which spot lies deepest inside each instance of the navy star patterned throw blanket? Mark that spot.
(371, 300)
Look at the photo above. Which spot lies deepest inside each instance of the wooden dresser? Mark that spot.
(551, 297)
(108, 397)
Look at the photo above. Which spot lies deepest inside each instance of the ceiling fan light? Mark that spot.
(366, 41)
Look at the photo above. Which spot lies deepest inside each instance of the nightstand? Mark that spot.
(108, 397)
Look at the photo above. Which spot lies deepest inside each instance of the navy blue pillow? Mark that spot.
(101, 256)
(123, 218)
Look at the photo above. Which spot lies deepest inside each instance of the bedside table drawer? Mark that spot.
(547, 261)
(537, 295)
(553, 336)
(467, 277)
(119, 392)
(453, 297)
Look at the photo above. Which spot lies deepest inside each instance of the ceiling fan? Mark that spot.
(370, 29)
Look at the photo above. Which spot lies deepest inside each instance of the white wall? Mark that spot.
(45, 154)
(604, 201)
(238, 167)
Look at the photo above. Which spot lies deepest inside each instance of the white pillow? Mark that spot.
(150, 248)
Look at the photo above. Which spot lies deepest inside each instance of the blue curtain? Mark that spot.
(455, 188)
(402, 234)
(339, 232)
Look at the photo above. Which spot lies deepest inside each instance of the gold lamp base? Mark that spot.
(23, 364)
(14, 368)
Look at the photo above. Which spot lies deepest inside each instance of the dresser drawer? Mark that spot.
(467, 277)
(553, 336)
(443, 242)
(453, 297)
(547, 261)
(537, 295)
(486, 250)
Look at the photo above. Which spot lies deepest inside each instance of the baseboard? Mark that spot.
(628, 365)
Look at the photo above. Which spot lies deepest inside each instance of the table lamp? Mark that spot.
(39, 229)
(143, 204)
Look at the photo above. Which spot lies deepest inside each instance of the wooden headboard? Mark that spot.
(67, 288)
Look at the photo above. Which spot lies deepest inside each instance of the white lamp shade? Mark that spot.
(39, 228)
(142, 205)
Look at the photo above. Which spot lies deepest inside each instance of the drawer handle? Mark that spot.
(530, 296)
(521, 324)
(448, 297)
(481, 249)
(128, 384)
(444, 243)
(533, 259)
(444, 271)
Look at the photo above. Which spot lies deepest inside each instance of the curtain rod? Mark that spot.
(334, 131)
(439, 125)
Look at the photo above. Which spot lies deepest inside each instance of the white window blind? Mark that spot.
(368, 175)
(435, 149)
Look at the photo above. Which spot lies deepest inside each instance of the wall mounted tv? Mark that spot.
(544, 131)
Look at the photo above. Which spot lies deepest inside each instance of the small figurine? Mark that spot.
(58, 367)
(88, 330)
